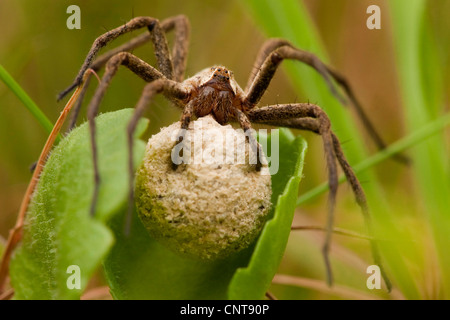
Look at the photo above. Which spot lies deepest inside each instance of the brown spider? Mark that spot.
(214, 91)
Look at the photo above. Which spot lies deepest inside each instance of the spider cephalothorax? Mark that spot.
(214, 91)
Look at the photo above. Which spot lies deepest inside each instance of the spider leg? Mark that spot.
(185, 120)
(158, 39)
(273, 51)
(77, 107)
(142, 69)
(363, 116)
(272, 54)
(180, 25)
(313, 124)
(267, 48)
(302, 110)
(362, 202)
(169, 88)
(247, 127)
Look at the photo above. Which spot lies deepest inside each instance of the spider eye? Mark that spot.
(228, 78)
(226, 71)
(219, 69)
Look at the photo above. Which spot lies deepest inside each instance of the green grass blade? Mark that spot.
(26, 100)
(417, 71)
(401, 145)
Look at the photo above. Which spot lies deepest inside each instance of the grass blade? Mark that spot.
(416, 59)
(26, 100)
(407, 142)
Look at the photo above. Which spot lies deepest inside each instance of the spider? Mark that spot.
(215, 92)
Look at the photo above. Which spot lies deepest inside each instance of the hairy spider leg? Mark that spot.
(247, 127)
(167, 87)
(185, 120)
(273, 51)
(181, 27)
(303, 110)
(270, 57)
(158, 39)
(138, 66)
(308, 117)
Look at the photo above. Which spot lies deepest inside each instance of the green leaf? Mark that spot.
(253, 281)
(59, 231)
(138, 267)
(26, 100)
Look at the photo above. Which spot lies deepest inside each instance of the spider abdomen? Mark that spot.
(216, 100)
(214, 91)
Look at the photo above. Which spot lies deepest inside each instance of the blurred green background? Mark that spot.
(410, 205)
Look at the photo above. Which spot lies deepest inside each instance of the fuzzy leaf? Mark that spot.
(59, 231)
